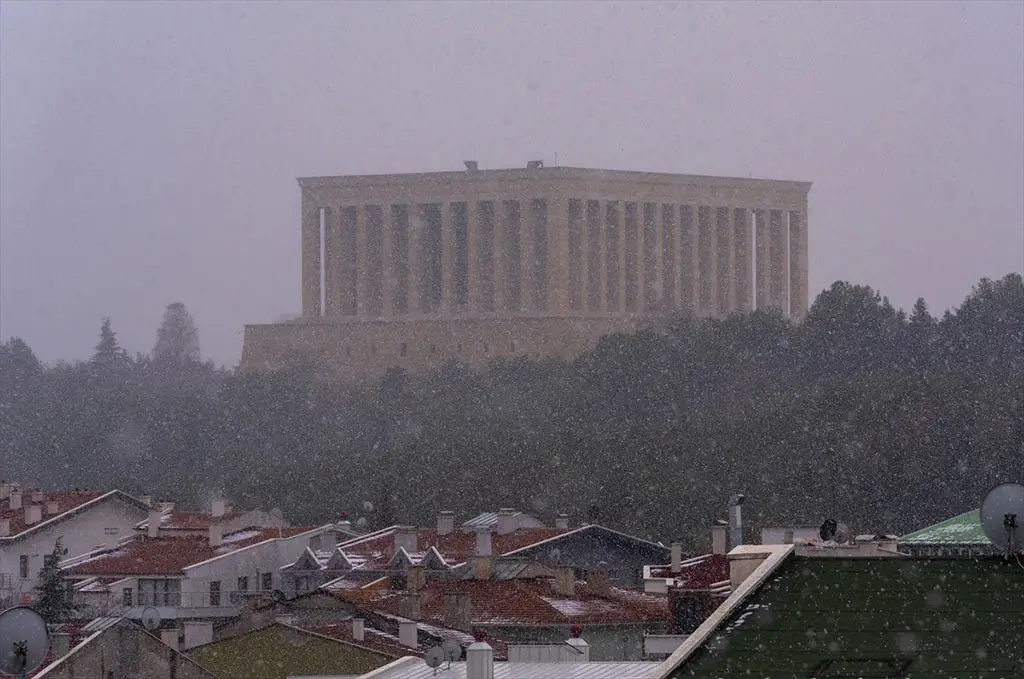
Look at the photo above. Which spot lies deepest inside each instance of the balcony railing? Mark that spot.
(188, 599)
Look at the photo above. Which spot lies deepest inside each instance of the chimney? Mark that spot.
(565, 581)
(407, 635)
(216, 534)
(5, 528)
(5, 490)
(409, 605)
(483, 567)
(415, 578)
(483, 541)
(787, 537)
(146, 500)
(170, 637)
(736, 520)
(52, 508)
(677, 558)
(581, 647)
(562, 522)
(506, 521)
(358, 629)
(598, 581)
(15, 499)
(479, 661)
(218, 508)
(153, 523)
(33, 514)
(457, 611)
(406, 538)
(719, 539)
(37, 495)
(445, 522)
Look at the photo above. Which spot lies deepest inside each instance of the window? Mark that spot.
(243, 584)
(268, 581)
(405, 349)
(112, 531)
(126, 596)
(215, 593)
(160, 593)
(23, 566)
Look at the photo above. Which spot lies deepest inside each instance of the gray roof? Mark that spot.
(485, 519)
(416, 668)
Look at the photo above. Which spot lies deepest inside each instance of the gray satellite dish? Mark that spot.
(1002, 517)
(434, 657)
(452, 650)
(833, 531)
(24, 641)
(151, 619)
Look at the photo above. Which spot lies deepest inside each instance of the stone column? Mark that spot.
(447, 258)
(363, 302)
(659, 253)
(725, 301)
(387, 260)
(707, 268)
(743, 258)
(332, 261)
(798, 282)
(558, 253)
(688, 243)
(416, 278)
(311, 258)
(779, 261)
(499, 255)
(602, 256)
(527, 261)
(761, 248)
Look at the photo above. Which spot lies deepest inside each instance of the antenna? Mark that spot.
(1002, 517)
(150, 619)
(24, 641)
(434, 657)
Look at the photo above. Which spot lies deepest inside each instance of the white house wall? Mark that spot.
(102, 524)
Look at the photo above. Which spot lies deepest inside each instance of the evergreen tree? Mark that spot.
(108, 352)
(53, 600)
(177, 341)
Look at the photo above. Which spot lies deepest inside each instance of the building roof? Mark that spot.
(935, 618)
(142, 555)
(706, 571)
(415, 668)
(68, 504)
(374, 551)
(963, 529)
(195, 521)
(520, 602)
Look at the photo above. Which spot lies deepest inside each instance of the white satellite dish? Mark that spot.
(434, 657)
(1002, 517)
(150, 619)
(452, 650)
(24, 641)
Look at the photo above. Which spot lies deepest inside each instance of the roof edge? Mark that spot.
(776, 555)
(53, 520)
(386, 669)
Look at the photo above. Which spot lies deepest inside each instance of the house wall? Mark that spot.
(278, 652)
(625, 557)
(607, 642)
(126, 651)
(251, 562)
(102, 524)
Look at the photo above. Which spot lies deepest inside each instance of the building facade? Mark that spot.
(412, 270)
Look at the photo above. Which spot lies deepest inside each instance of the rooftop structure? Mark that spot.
(412, 270)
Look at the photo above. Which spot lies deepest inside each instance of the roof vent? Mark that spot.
(52, 508)
(33, 514)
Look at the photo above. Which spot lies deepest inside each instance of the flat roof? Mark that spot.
(549, 173)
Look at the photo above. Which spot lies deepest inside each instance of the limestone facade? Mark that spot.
(412, 270)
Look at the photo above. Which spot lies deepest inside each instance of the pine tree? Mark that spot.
(108, 351)
(177, 341)
(54, 601)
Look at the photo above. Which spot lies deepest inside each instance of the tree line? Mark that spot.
(883, 419)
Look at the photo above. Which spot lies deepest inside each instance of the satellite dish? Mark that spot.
(1002, 517)
(833, 531)
(452, 650)
(150, 619)
(24, 641)
(434, 657)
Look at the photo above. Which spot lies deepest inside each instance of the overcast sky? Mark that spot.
(148, 151)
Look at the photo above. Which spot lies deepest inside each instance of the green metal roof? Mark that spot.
(964, 529)
(873, 618)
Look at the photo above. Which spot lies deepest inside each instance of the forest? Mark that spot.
(884, 419)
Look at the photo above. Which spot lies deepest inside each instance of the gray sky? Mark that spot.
(148, 151)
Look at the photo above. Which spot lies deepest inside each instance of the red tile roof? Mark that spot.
(65, 503)
(455, 547)
(143, 555)
(697, 573)
(523, 602)
(197, 521)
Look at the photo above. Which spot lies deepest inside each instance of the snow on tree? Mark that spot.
(177, 341)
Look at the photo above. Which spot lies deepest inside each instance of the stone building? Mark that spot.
(412, 270)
